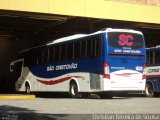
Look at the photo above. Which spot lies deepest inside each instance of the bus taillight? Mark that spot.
(144, 72)
(106, 70)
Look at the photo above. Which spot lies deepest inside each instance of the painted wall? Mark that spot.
(108, 9)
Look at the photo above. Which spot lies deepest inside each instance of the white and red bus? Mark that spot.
(107, 61)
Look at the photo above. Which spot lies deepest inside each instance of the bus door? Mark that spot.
(126, 57)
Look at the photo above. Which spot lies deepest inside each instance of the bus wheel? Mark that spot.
(73, 90)
(149, 90)
(27, 89)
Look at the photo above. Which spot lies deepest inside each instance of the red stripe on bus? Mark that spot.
(125, 74)
(52, 82)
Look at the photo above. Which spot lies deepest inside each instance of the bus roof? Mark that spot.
(117, 30)
(72, 37)
(67, 38)
(106, 30)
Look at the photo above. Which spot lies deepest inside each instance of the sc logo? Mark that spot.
(125, 40)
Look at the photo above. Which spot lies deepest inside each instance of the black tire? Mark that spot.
(149, 92)
(73, 90)
(27, 89)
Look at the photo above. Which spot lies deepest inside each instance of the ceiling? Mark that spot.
(44, 27)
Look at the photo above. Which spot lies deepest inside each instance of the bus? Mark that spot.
(104, 62)
(153, 72)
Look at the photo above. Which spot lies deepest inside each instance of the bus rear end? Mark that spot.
(124, 66)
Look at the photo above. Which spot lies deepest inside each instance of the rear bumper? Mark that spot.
(124, 86)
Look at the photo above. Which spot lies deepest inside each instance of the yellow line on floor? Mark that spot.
(16, 96)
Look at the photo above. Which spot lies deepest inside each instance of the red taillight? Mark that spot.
(144, 72)
(106, 70)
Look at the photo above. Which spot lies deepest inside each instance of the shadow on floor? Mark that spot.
(16, 113)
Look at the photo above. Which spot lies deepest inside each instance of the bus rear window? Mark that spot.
(125, 40)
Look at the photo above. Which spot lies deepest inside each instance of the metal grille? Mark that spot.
(94, 81)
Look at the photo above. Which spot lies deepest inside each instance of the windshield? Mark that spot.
(125, 43)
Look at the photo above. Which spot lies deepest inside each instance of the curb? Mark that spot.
(16, 96)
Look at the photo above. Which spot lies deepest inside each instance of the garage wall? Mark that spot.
(108, 9)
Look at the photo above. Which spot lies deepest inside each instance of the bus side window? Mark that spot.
(70, 51)
(94, 48)
(98, 46)
(89, 48)
(157, 57)
(45, 54)
(30, 59)
(151, 56)
(34, 57)
(83, 49)
(51, 54)
(77, 48)
(57, 53)
(63, 52)
(148, 58)
(39, 56)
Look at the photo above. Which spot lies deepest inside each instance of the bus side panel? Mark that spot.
(80, 78)
(58, 79)
(153, 76)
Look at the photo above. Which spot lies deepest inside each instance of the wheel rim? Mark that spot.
(74, 90)
(149, 90)
(27, 89)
